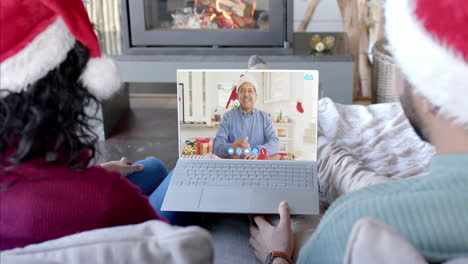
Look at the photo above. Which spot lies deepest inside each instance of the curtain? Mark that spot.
(105, 16)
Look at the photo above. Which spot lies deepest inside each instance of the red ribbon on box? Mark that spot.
(200, 141)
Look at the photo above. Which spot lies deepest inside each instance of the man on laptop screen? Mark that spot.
(245, 127)
(247, 140)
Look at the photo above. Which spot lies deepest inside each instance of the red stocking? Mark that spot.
(299, 107)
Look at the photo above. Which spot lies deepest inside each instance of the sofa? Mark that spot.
(371, 241)
(346, 163)
(149, 242)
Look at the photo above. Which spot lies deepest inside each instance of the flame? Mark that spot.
(254, 6)
(227, 15)
(212, 17)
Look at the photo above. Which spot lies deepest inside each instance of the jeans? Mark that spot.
(153, 181)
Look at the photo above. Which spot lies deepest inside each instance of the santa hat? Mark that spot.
(428, 40)
(244, 78)
(36, 36)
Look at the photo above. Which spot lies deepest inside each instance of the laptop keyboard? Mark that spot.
(240, 173)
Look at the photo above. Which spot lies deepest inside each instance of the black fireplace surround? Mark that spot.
(204, 27)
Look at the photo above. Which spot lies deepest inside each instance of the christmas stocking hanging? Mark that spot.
(299, 106)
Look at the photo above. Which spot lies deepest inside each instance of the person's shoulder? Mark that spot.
(231, 113)
(396, 192)
(262, 113)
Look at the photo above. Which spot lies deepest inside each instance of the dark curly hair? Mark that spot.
(50, 118)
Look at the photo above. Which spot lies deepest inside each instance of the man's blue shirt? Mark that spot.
(257, 126)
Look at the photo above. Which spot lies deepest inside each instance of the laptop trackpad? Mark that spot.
(224, 199)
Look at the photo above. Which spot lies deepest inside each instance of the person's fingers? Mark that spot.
(125, 161)
(129, 169)
(261, 222)
(284, 212)
(253, 231)
(259, 255)
(253, 242)
(137, 167)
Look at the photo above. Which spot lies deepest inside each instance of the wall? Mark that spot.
(326, 18)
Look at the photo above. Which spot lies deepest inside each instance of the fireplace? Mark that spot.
(207, 26)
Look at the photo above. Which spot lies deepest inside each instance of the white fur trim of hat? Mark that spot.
(432, 58)
(247, 78)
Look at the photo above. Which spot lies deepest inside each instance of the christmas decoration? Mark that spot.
(232, 97)
(203, 146)
(299, 106)
(320, 44)
(188, 150)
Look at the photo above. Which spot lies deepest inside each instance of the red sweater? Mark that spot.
(56, 201)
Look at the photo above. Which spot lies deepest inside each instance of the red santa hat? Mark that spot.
(247, 78)
(243, 78)
(428, 40)
(36, 36)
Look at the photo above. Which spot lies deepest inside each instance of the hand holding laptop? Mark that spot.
(266, 238)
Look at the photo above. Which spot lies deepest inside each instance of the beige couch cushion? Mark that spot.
(373, 241)
(148, 242)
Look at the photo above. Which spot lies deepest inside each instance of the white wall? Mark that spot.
(326, 18)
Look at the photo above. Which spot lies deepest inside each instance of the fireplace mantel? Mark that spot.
(336, 67)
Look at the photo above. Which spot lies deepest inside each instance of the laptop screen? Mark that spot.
(248, 114)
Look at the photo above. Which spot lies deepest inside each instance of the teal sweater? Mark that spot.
(431, 212)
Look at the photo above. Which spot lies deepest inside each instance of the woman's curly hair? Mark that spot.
(50, 118)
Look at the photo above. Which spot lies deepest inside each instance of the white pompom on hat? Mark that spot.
(35, 38)
(428, 39)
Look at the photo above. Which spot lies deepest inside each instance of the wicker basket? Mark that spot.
(383, 75)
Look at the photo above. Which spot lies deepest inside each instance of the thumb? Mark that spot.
(133, 168)
(137, 167)
(284, 212)
(125, 160)
(246, 139)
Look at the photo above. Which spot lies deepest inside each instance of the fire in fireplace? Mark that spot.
(220, 14)
(168, 25)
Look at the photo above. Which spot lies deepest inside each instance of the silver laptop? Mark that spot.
(273, 115)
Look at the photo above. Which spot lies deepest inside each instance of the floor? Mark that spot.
(149, 129)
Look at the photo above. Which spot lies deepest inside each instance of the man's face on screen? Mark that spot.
(247, 96)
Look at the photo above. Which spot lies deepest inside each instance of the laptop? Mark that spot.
(277, 158)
